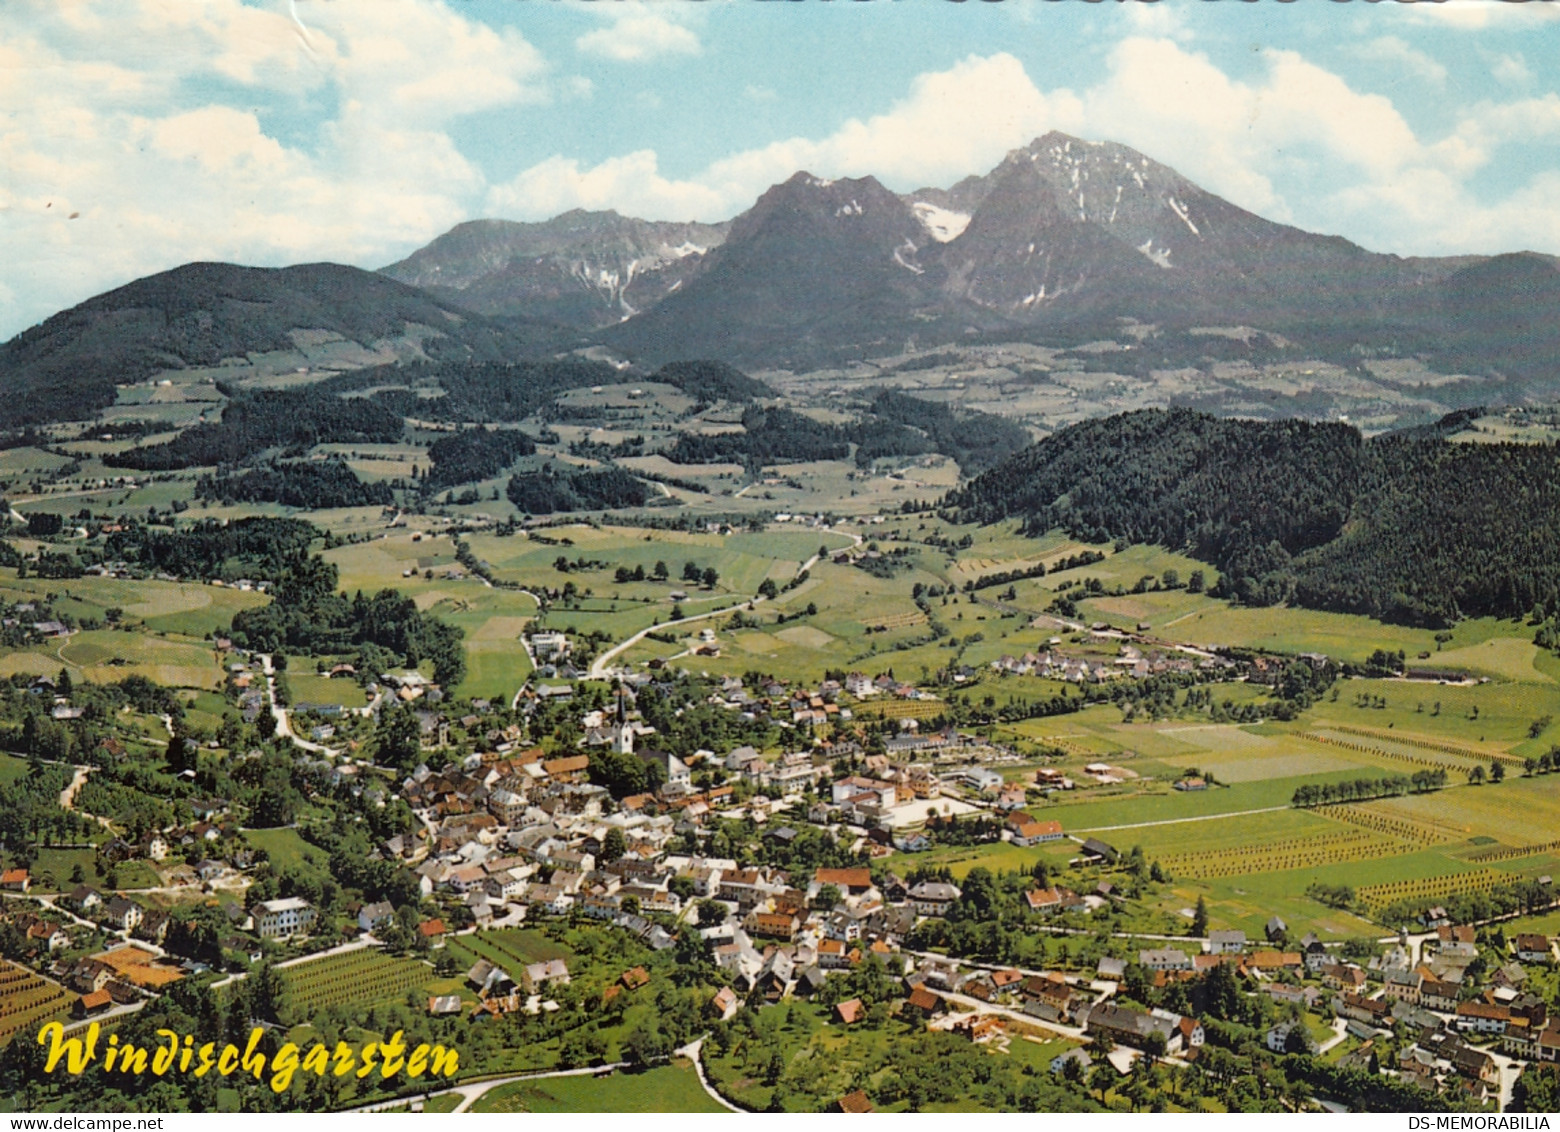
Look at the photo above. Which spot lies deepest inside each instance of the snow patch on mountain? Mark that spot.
(1159, 256)
(941, 224)
(1180, 210)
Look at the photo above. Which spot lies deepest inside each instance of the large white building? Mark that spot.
(279, 919)
(548, 645)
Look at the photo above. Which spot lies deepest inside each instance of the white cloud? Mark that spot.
(631, 184)
(107, 110)
(1391, 49)
(637, 35)
(1158, 19)
(1490, 124)
(1511, 69)
(1475, 15)
(411, 61)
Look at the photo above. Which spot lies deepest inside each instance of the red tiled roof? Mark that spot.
(855, 1102)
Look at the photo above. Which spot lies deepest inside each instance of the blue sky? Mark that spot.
(136, 135)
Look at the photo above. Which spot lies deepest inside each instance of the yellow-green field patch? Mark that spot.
(805, 636)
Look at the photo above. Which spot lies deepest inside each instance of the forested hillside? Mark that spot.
(1409, 529)
(67, 367)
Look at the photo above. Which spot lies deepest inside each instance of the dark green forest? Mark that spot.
(571, 489)
(1409, 529)
(253, 422)
(309, 484)
(893, 424)
(258, 548)
(897, 424)
(769, 436)
(474, 454)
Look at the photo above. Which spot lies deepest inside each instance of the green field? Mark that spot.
(666, 1088)
(314, 689)
(287, 849)
(52, 870)
(12, 768)
(105, 656)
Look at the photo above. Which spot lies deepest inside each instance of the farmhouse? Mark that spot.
(1096, 850)
(1533, 948)
(1139, 1030)
(1036, 832)
(538, 976)
(1226, 941)
(933, 897)
(1165, 959)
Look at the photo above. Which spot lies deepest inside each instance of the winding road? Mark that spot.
(598, 668)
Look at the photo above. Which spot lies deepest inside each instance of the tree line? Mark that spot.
(1364, 789)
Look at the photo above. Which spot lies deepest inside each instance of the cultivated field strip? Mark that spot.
(359, 977)
(501, 952)
(901, 709)
(1481, 758)
(26, 1000)
(1375, 897)
(1426, 761)
(1068, 745)
(1511, 852)
(1421, 831)
(1339, 847)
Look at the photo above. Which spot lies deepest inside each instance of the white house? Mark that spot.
(279, 919)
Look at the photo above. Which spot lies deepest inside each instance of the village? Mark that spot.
(724, 845)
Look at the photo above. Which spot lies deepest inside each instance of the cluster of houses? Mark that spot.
(1453, 1018)
(1132, 662)
(21, 619)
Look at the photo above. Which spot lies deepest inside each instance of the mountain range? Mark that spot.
(1059, 243)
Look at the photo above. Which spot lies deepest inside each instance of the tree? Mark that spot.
(660, 572)
(1476, 776)
(1200, 918)
(1497, 771)
(1101, 1078)
(1195, 582)
(768, 589)
(399, 737)
(828, 896)
(614, 845)
(710, 577)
